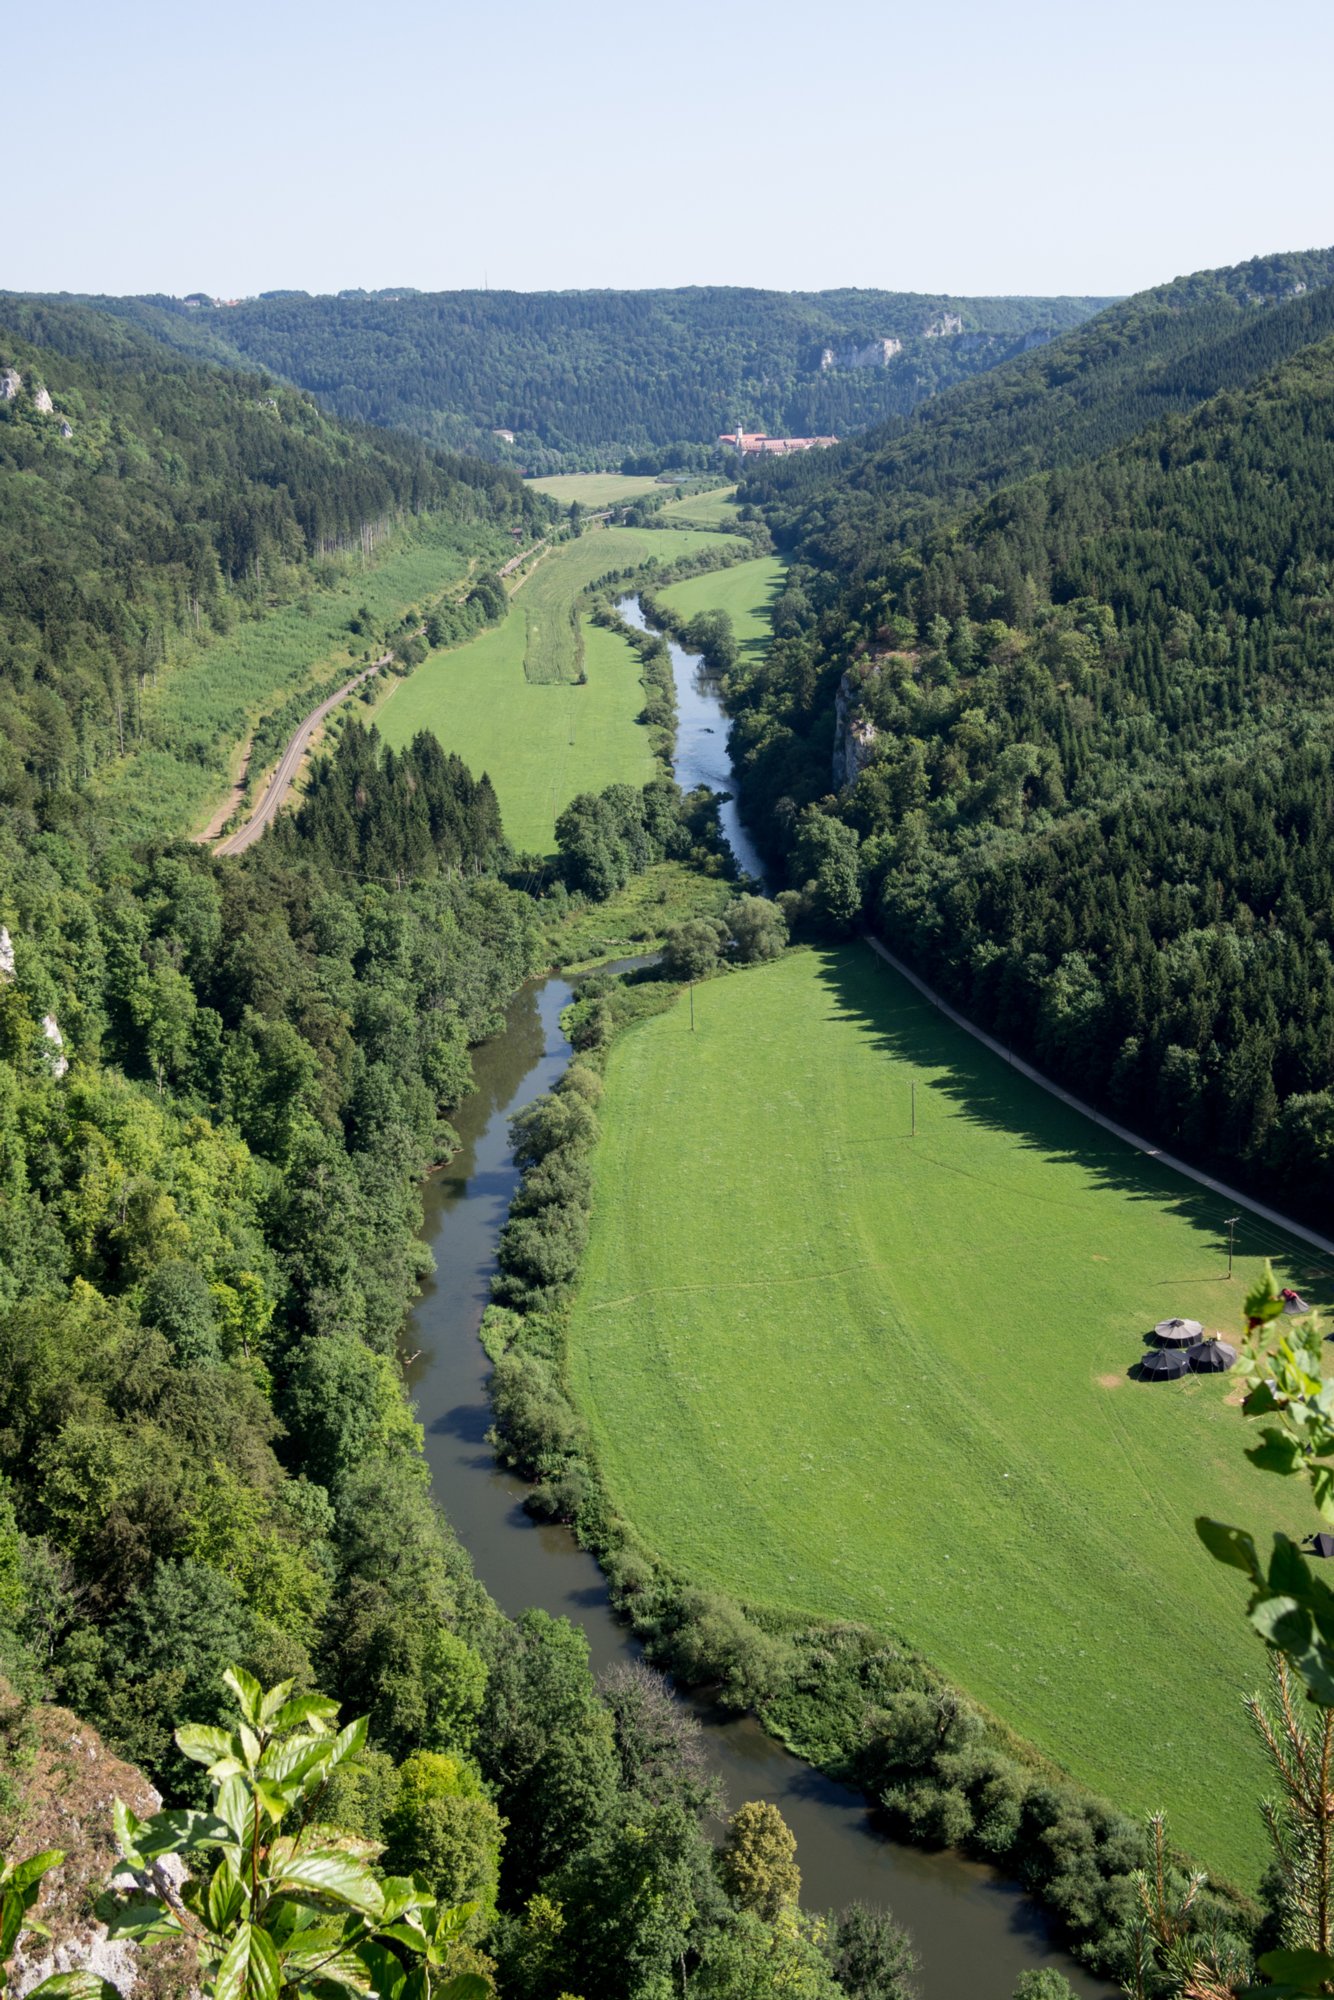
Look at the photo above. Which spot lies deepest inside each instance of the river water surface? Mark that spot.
(974, 1931)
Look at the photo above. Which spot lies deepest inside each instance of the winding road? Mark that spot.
(280, 784)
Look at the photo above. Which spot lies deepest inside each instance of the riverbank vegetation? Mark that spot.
(744, 595)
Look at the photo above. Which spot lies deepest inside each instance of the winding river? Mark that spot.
(974, 1931)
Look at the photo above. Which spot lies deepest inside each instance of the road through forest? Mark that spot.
(280, 784)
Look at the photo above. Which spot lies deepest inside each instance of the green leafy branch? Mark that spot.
(274, 1904)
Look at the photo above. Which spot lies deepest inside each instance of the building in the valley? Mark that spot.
(758, 443)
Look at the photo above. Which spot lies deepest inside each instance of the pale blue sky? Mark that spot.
(156, 145)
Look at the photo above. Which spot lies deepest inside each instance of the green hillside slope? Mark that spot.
(581, 375)
(1092, 737)
(1159, 353)
(150, 503)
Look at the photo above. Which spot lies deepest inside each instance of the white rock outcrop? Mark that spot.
(41, 400)
(58, 1060)
(855, 737)
(874, 354)
(6, 954)
(943, 326)
(10, 383)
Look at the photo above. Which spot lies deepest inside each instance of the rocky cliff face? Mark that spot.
(875, 354)
(61, 1784)
(855, 736)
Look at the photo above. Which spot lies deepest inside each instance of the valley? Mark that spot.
(806, 1314)
(548, 707)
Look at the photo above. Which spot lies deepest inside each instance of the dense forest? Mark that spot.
(148, 501)
(1069, 747)
(221, 1083)
(581, 378)
(1156, 354)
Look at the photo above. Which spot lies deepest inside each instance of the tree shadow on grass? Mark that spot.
(983, 1087)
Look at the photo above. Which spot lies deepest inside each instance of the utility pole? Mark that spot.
(1232, 1222)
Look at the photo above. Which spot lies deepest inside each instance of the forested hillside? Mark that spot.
(221, 1084)
(582, 378)
(1085, 758)
(148, 502)
(1159, 353)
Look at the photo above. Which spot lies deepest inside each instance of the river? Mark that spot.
(974, 1931)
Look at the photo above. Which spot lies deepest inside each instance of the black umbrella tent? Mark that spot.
(1177, 1332)
(1212, 1356)
(1164, 1364)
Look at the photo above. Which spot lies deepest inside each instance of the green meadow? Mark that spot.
(206, 704)
(595, 489)
(548, 592)
(508, 701)
(705, 510)
(540, 742)
(844, 1373)
(746, 593)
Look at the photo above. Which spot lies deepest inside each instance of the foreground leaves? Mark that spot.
(272, 1907)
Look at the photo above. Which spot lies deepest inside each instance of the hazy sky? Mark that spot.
(969, 147)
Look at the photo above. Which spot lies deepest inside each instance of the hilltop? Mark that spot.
(581, 379)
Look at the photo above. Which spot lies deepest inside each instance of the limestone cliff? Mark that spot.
(871, 354)
(855, 735)
(58, 1782)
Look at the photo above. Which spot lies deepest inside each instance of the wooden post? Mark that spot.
(1232, 1222)
(913, 1088)
(692, 1006)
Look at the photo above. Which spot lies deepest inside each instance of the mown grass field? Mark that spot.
(548, 593)
(844, 1373)
(705, 509)
(746, 593)
(542, 737)
(595, 489)
(540, 743)
(206, 704)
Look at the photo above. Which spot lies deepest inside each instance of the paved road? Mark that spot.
(1229, 1194)
(280, 784)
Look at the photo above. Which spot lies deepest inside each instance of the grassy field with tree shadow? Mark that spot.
(839, 1371)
